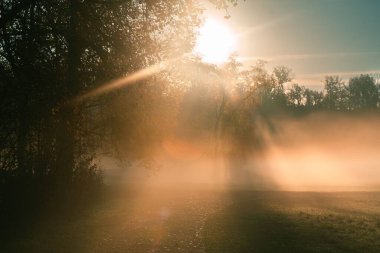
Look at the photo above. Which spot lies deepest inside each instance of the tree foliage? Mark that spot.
(363, 93)
(52, 52)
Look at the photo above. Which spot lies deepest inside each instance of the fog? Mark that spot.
(327, 152)
(319, 152)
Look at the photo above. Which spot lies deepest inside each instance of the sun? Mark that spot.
(215, 42)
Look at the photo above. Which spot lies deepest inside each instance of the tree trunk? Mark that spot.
(68, 118)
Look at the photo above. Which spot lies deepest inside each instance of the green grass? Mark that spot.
(209, 221)
(296, 222)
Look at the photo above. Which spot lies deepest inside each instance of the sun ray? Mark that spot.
(124, 81)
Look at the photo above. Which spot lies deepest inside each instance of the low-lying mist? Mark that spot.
(318, 152)
(327, 152)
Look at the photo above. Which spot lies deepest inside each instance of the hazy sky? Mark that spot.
(313, 37)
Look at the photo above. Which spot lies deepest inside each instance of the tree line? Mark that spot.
(358, 93)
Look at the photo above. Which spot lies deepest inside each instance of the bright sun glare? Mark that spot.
(215, 42)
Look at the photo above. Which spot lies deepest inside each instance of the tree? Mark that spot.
(363, 93)
(336, 94)
(282, 75)
(313, 99)
(296, 96)
(51, 52)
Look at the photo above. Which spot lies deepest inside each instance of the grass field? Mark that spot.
(210, 221)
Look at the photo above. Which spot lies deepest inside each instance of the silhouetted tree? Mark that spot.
(296, 96)
(313, 99)
(51, 52)
(363, 93)
(282, 75)
(336, 93)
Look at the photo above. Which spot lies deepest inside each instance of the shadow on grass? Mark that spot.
(206, 221)
(253, 224)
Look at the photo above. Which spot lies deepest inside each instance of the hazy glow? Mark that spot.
(215, 42)
(307, 154)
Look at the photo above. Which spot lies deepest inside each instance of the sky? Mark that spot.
(313, 37)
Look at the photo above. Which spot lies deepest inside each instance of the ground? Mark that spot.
(172, 220)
